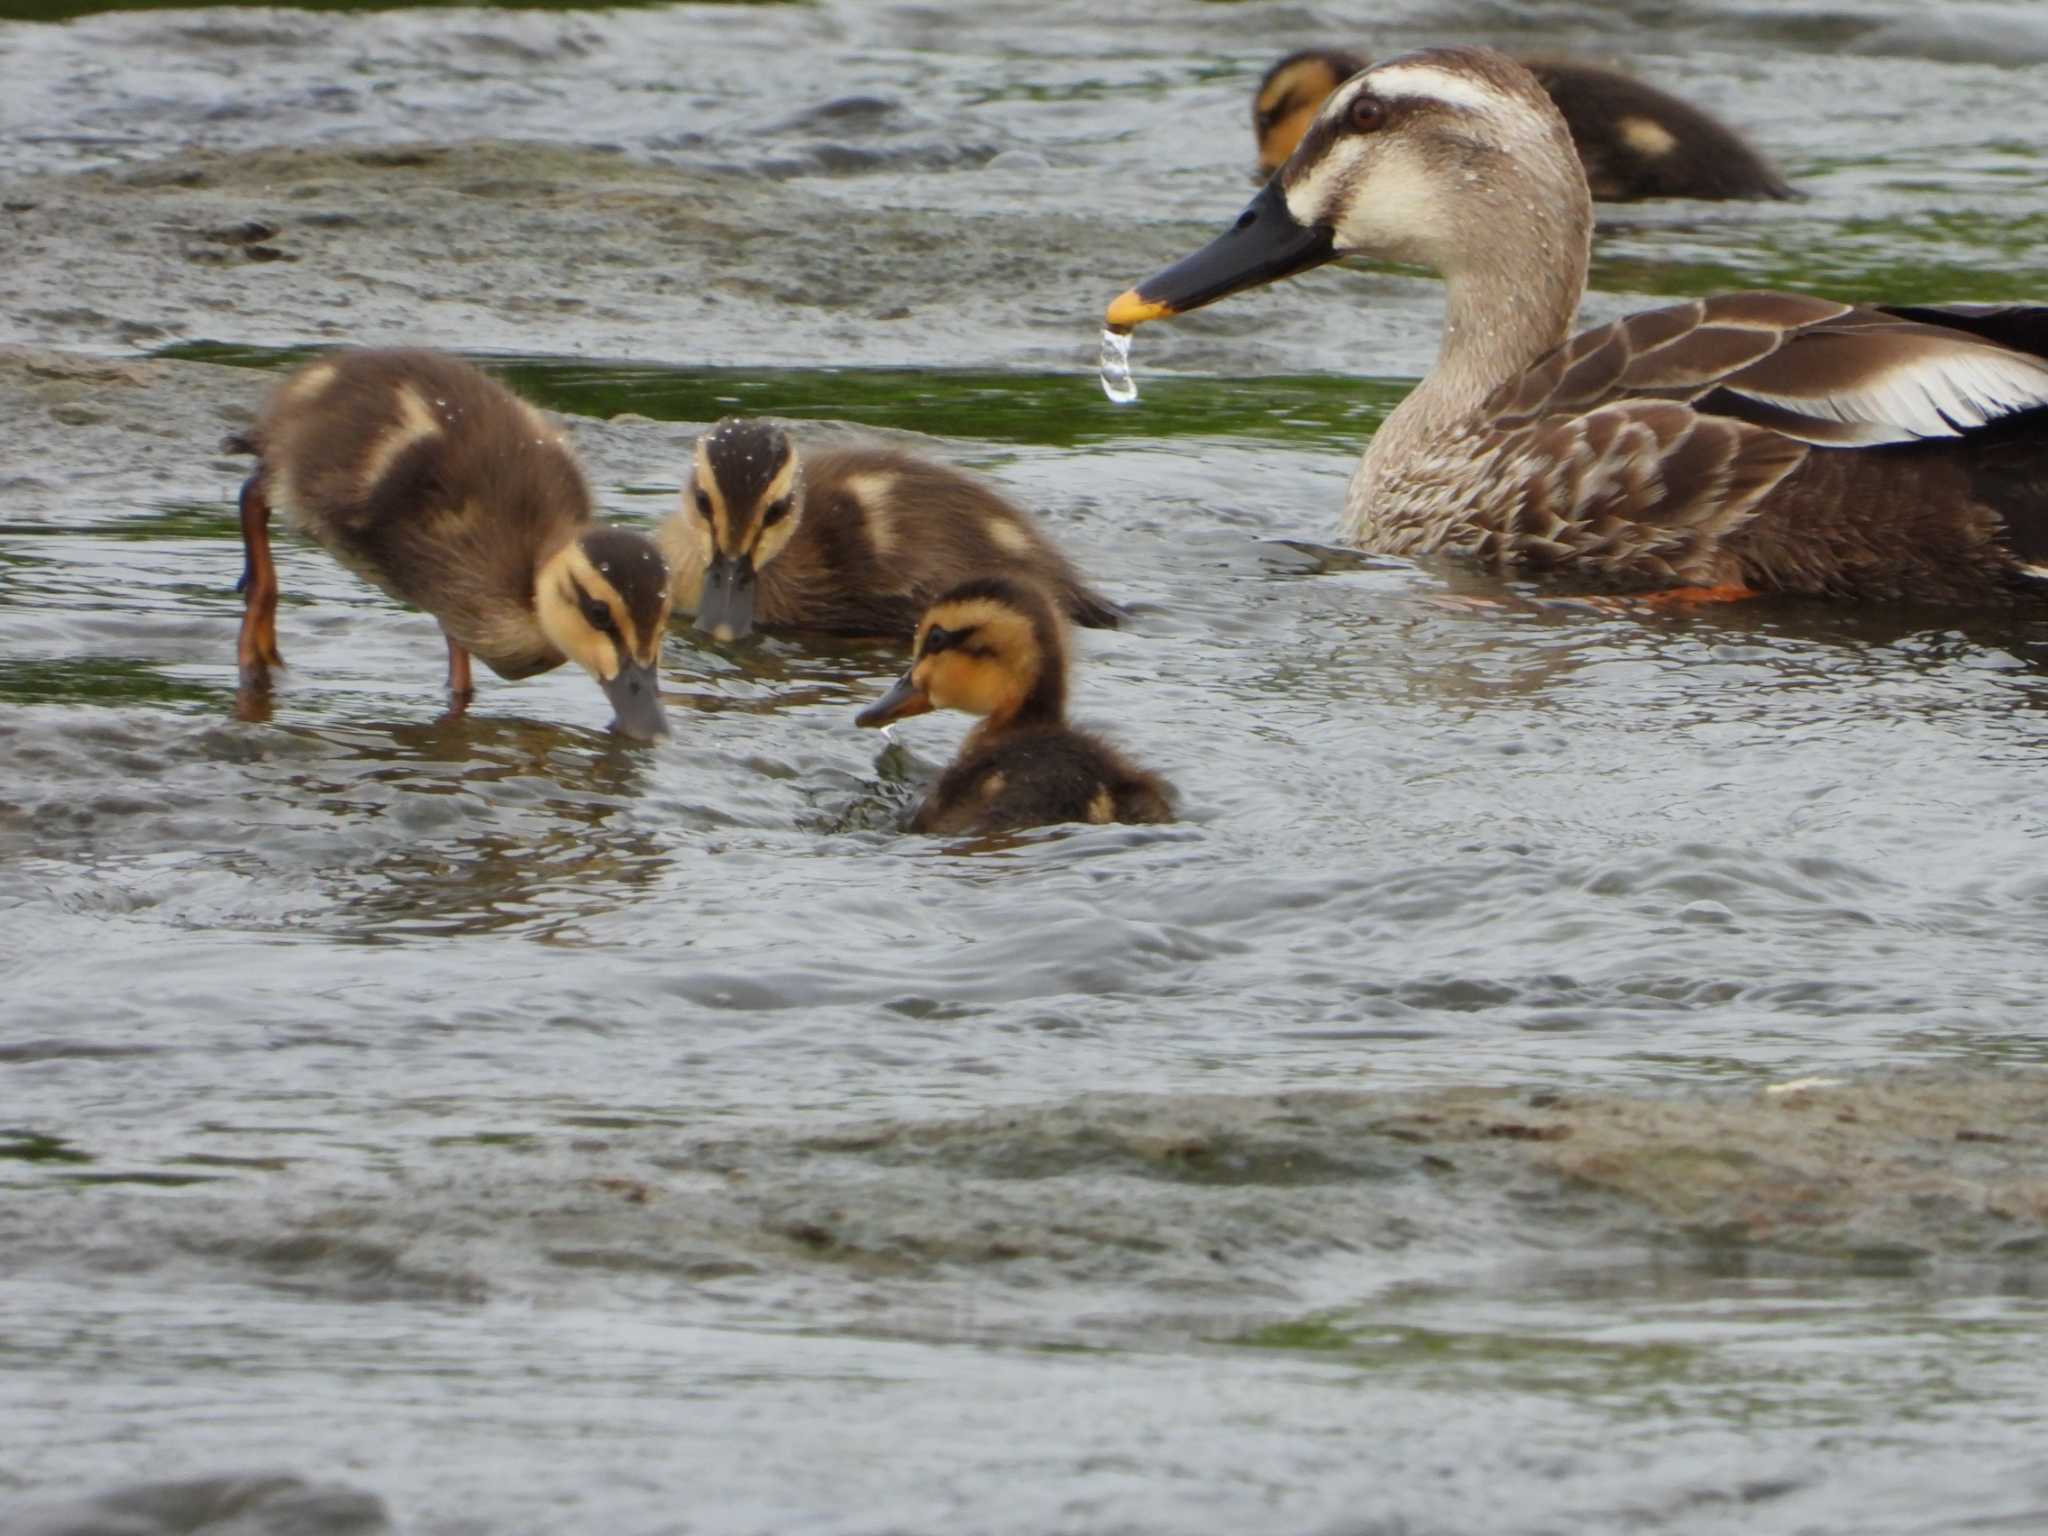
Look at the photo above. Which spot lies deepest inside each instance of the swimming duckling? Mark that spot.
(1747, 442)
(997, 648)
(851, 541)
(438, 485)
(1634, 140)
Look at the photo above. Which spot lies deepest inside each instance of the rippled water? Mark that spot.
(541, 1133)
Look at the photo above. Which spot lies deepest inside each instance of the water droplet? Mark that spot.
(1117, 382)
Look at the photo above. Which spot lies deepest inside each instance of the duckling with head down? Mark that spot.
(447, 491)
(1747, 442)
(1634, 140)
(996, 647)
(852, 541)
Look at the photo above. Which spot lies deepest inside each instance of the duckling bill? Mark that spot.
(445, 490)
(997, 648)
(853, 541)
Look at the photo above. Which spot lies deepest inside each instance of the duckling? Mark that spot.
(1743, 443)
(996, 647)
(1634, 140)
(447, 491)
(851, 541)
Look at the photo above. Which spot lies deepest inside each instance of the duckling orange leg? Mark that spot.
(460, 685)
(256, 650)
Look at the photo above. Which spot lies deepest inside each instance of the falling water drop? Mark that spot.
(1117, 382)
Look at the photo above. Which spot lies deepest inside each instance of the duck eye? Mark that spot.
(775, 513)
(704, 503)
(1367, 112)
(596, 614)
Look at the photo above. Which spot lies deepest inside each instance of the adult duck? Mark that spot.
(1743, 443)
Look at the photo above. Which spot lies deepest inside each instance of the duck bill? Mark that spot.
(1265, 244)
(905, 699)
(725, 608)
(635, 693)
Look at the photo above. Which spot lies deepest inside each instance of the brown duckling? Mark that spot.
(1634, 140)
(850, 541)
(1742, 443)
(997, 647)
(438, 485)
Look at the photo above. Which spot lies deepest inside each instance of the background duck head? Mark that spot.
(747, 490)
(602, 601)
(994, 648)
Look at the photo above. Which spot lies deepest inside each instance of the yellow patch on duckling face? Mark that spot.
(686, 543)
(416, 424)
(1284, 109)
(584, 618)
(976, 656)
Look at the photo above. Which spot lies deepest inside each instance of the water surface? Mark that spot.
(542, 1133)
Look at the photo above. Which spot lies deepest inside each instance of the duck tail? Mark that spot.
(1091, 610)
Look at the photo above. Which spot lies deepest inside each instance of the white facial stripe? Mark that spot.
(1425, 82)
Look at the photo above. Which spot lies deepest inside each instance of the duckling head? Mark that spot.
(747, 487)
(602, 601)
(992, 647)
(1449, 158)
(1287, 98)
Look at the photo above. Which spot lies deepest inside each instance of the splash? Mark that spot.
(1117, 382)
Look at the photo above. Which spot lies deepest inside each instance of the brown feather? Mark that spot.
(884, 532)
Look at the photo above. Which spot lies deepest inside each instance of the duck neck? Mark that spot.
(1508, 300)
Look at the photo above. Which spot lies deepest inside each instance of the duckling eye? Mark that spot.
(704, 503)
(596, 615)
(1367, 112)
(775, 513)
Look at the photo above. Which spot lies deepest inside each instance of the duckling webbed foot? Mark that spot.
(256, 647)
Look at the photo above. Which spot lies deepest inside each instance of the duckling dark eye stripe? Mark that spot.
(583, 600)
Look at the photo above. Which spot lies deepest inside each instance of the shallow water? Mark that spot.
(540, 1133)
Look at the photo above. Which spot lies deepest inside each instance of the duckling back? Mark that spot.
(895, 531)
(1037, 777)
(431, 481)
(851, 540)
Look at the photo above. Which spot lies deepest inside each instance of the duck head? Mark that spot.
(602, 601)
(746, 492)
(992, 647)
(1452, 158)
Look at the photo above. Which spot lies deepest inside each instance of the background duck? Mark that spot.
(853, 541)
(1746, 442)
(996, 647)
(444, 489)
(1634, 140)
